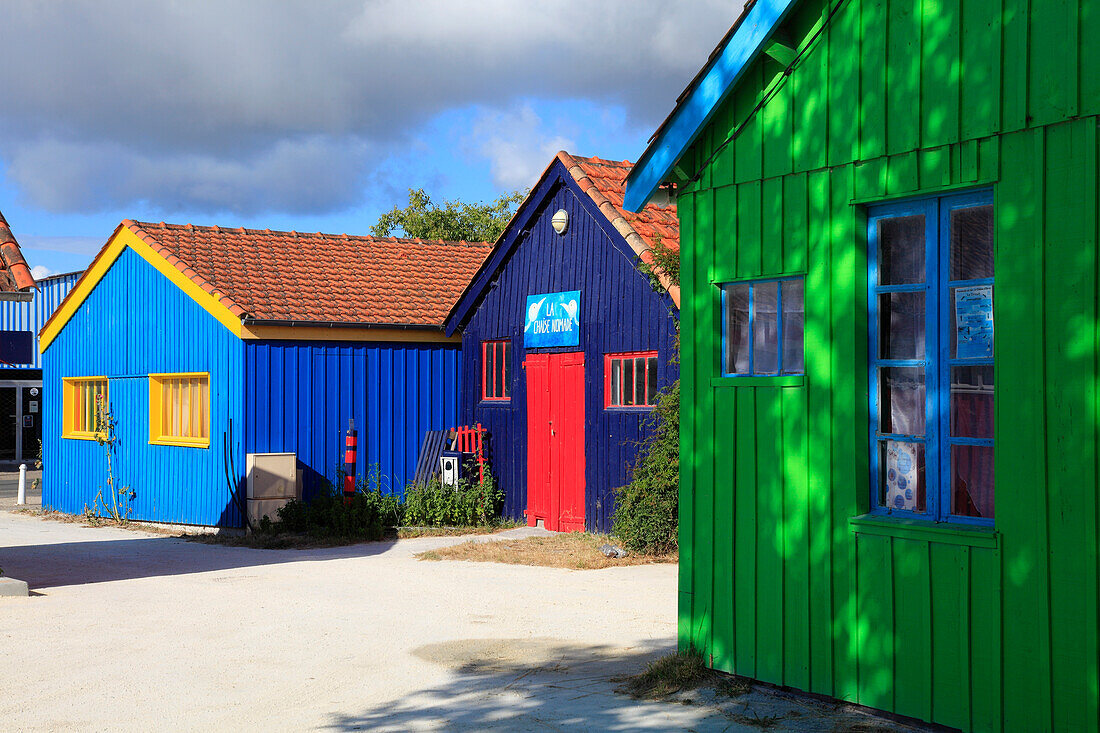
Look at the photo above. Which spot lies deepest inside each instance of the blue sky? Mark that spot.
(316, 117)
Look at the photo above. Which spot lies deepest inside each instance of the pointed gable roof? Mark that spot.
(604, 183)
(266, 278)
(697, 104)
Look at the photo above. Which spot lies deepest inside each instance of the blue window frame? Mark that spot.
(762, 322)
(930, 301)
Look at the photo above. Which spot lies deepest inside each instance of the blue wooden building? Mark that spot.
(21, 393)
(566, 343)
(209, 344)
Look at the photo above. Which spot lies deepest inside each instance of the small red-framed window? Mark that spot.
(630, 380)
(496, 370)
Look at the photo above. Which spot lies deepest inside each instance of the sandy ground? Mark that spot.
(133, 631)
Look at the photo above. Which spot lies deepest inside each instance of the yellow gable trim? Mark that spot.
(122, 239)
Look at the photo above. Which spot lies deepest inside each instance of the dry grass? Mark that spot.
(255, 540)
(91, 520)
(306, 541)
(681, 672)
(408, 533)
(574, 551)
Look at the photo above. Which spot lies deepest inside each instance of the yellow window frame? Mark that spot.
(159, 432)
(75, 391)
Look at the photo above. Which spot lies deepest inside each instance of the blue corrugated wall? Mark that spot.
(136, 322)
(32, 316)
(299, 396)
(620, 312)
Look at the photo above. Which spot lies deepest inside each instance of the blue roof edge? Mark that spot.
(691, 116)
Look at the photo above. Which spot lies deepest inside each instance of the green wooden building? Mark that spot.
(855, 179)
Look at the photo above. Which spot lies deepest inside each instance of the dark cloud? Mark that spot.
(253, 106)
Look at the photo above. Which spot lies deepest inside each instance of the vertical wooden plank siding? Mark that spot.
(394, 392)
(988, 631)
(619, 313)
(32, 315)
(136, 322)
(686, 609)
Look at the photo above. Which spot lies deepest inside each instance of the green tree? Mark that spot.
(454, 220)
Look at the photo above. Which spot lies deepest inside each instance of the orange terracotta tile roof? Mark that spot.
(14, 272)
(605, 183)
(320, 278)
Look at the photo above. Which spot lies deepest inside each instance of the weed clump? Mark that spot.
(371, 514)
(365, 515)
(368, 514)
(680, 672)
(470, 504)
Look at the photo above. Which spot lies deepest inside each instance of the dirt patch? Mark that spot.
(515, 656)
(573, 551)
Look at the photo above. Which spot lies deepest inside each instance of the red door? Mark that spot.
(555, 440)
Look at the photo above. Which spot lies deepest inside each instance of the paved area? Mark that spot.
(134, 631)
(9, 488)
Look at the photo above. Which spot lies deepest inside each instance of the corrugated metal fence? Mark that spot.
(299, 396)
(31, 316)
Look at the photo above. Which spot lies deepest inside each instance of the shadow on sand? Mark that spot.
(540, 684)
(51, 565)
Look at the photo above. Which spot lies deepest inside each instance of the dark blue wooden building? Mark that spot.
(565, 343)
(209, 344)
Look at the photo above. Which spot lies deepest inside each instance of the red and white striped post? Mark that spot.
(351, 444)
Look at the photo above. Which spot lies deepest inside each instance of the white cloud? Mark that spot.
(295, 176)
(517, 144)
(86, 246)
(244, 105)
(39, 272)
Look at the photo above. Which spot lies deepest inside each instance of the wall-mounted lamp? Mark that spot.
(560, 222)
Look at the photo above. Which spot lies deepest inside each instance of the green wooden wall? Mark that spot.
(978, 630)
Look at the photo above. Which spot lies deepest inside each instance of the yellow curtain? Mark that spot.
(185, 410)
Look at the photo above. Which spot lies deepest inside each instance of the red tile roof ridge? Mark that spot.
(15, 267)
(639, 230)
(295, 233)
(260, 274)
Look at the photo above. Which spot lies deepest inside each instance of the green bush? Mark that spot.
(469, 505)
(646, 518)
(366, 515)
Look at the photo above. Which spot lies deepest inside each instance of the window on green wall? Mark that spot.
(931, 346)
(762, 327)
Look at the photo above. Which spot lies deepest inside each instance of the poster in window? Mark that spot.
(901, 476)
(974, 321)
